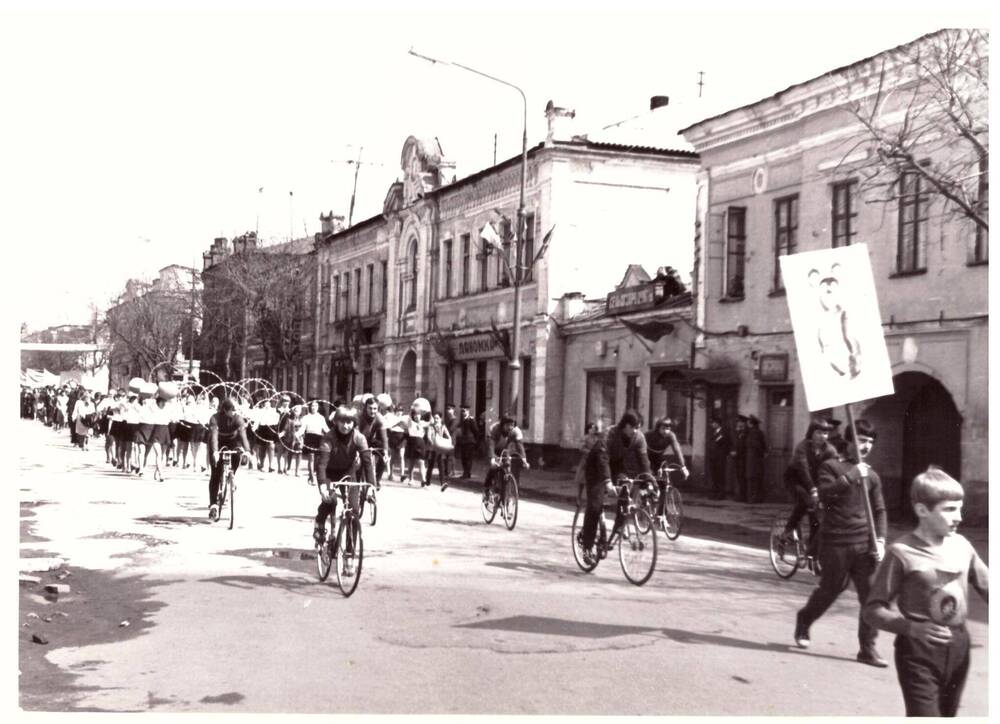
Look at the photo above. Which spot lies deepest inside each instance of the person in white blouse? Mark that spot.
(131, 435)
(266, 433)
(84, 418)
(313, 428)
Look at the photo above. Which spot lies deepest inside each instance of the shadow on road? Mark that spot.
(171, 520)
(548, 626)
(248, 583)
(690, 637)
(450, 521)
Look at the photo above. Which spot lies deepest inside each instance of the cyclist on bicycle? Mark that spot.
(226, 431)
(597, 481)
(801, 475)
(504, 435)
(664, 448)
(372, 426)
(341, 451)
(627, 451)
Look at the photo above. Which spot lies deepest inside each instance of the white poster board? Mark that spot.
(837, 326)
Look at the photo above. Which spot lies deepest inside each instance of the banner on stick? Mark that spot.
(837, 326)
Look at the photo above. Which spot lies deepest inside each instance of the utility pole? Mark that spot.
(357, 163)
(701, 82)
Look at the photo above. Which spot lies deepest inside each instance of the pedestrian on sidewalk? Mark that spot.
(845, 551)
(84, 417)
(438, 443)
(451, 422)
(927, 573)
(416, 438)
(756, 451)
(466, 439)
(717, 451)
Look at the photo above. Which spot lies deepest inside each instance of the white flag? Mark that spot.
(490, 235)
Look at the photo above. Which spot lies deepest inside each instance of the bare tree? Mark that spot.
(148, 329)
(926, 115)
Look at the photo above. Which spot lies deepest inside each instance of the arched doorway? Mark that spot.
(407, 379)
(917, 426)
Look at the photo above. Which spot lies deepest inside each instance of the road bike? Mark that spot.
(663, 502)
(506, 499)
(633, 531)
(344, 550)
(789, 553)
(371, 500)
(227, 486)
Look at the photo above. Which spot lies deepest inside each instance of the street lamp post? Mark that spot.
(515, 348)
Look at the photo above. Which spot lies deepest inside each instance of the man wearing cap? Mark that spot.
(739, 456)
(756, 451)
(801, 474)
(504, 435)
(718, 449)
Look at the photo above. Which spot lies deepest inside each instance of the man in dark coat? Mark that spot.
(717, 451)
(739, 456)
(756, 451)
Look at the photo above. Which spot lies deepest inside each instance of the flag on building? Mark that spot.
(490, 236)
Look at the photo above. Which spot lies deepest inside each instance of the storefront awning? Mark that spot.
(686, 375)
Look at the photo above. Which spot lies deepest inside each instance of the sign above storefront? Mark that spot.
(773, 367)
(479, 346)
(635, 298)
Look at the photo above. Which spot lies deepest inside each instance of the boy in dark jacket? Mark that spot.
(845, 551)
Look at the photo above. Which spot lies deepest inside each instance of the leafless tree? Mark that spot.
(924, 110)
(148, 328)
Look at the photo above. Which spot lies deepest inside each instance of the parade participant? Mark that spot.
(927, 574)
(130, 413)
(291, 439)
(845, 551)
(143, 439)
(313, 429)
(372, 426)
(62, 408)
(84, 417)
(590, 435)
(395, 422)
(284, 412)
(226, 431)
(106, 410)
(663, 447)
(185, 427)
(756, 451)
(718, 449)
(340, 451)
(466, 439)
(267, 433)
(597, 482)
(414, 452)
(206, 407)
(627, 453)
(504, 435)
(801, 475)
(158, 440)
(72, 396)
(436, 432)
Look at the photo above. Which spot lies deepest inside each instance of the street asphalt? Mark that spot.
(451, 615)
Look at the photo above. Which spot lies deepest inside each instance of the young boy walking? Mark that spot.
(927, 573)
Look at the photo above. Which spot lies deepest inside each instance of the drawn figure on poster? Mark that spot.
(837, 342)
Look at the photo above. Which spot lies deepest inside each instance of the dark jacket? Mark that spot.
(628, 457)
(844, 518)
(806, 459)
(466, 433)
(596, 467)
(374, 431)
(719, 443)
(662, 447)
(337, 454)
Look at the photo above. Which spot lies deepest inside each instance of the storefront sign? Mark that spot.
(633, 299)
(773, 368)
(478, 346)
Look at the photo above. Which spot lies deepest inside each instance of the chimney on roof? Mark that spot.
(330, 224)
(658, 102)
(571, 304)
(560, 122)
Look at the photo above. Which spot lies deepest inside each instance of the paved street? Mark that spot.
(451, 615)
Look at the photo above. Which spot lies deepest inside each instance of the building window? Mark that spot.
(347, 294)
(385, 285)
(736, 247)
(357, 290)
(336, 297)
(980, 250)
(632, 393)
(503, 277)
(484, 267)
(670, 400)
(528, 249)
(413, 276)
(371, 288)
(447, 269)
(600, 405)
(525, 392)
(786, 228)
(466, 269)
(432, 265)
(913, 203)
(844, 213)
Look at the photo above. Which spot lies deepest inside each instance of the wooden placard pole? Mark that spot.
(864, 481)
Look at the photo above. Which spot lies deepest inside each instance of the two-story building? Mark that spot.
(781, 176)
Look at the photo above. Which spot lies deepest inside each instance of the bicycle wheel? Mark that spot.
(349, 554)
(372, 507)
(489, 506)
(786, 555)
(220, 497)
(510, 502)
(231, 484)
(673, 512)
(637, 547)
(577, 547)
(324, 556)
(647, 502)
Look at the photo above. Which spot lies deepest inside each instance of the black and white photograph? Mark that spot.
(500, 358)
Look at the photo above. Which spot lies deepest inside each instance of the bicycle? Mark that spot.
(346, 548)
(227, 487)
(632, 530)
(790, 553)
(668, 519)
(506, 499)
(370, 499)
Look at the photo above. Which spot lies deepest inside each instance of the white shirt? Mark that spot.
(267, 416)
(313, 424)
(130, 412)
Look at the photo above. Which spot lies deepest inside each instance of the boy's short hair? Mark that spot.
(933, 486)
(629, 418)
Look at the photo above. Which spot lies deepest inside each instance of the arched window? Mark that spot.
(413, 274)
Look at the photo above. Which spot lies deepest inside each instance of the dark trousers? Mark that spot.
(379, 467)
(466, 453)
(353, 496)
(595, 503)
(932, 676)
(215, 479)
(802, 506)
(441, 461)
(840, 563)
(717, 469)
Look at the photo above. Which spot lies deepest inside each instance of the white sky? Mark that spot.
(131, 138)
